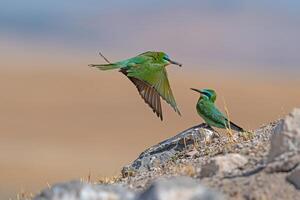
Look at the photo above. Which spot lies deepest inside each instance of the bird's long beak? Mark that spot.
(173, 62)
(196, 90)
(199, 91)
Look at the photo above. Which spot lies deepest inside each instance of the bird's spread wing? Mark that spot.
(162, 85)
(155, 76)
(148, 93)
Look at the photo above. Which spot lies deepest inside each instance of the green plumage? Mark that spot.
(147, 71)
(210, 113)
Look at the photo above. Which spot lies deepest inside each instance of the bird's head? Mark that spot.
(208, 94)
(161, 57)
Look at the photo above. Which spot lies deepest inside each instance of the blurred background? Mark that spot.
(61, 120)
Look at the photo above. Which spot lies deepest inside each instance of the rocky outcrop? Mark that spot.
(263, 166)
(286, 137)
(165, 151)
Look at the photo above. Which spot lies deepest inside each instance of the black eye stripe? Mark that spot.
(166, 58)
(207, 94)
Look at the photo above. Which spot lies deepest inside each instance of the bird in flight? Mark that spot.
(210, 113)
(147, 71)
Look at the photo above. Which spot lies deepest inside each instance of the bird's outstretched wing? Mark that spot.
(162, 86)
(148, 93)
(154, 80)
(155, 76)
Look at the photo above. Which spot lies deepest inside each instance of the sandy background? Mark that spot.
(64, 124)
(61, 120)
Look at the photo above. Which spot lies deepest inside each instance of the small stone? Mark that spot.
(193, 153)
(178, 188)
(223, 164)
(294, 178)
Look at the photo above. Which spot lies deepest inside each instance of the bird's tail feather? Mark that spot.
(106, 66)
(235, 127)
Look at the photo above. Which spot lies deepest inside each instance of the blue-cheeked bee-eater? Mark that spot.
(147, 72)
(213, 117)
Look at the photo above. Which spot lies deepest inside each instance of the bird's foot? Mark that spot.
(247, 135)
(184, 142)
(232, 140)
(230, 136)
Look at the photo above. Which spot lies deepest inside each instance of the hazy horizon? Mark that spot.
(244, 35)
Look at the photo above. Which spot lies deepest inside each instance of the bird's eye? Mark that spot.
(207, 94)
(166, 57)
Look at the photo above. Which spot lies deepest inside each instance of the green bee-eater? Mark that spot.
(148, 73)
(210, 113)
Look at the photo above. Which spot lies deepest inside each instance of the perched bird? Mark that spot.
(148, 73)
(210, 113)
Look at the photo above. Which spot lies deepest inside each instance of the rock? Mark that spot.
(294, 178)
(260, 186)
(161, 153)
(283, 163)
(265, 166)
(224, 164)
(76, 190)
(178, 188)
(286, 136)
(172, 188)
